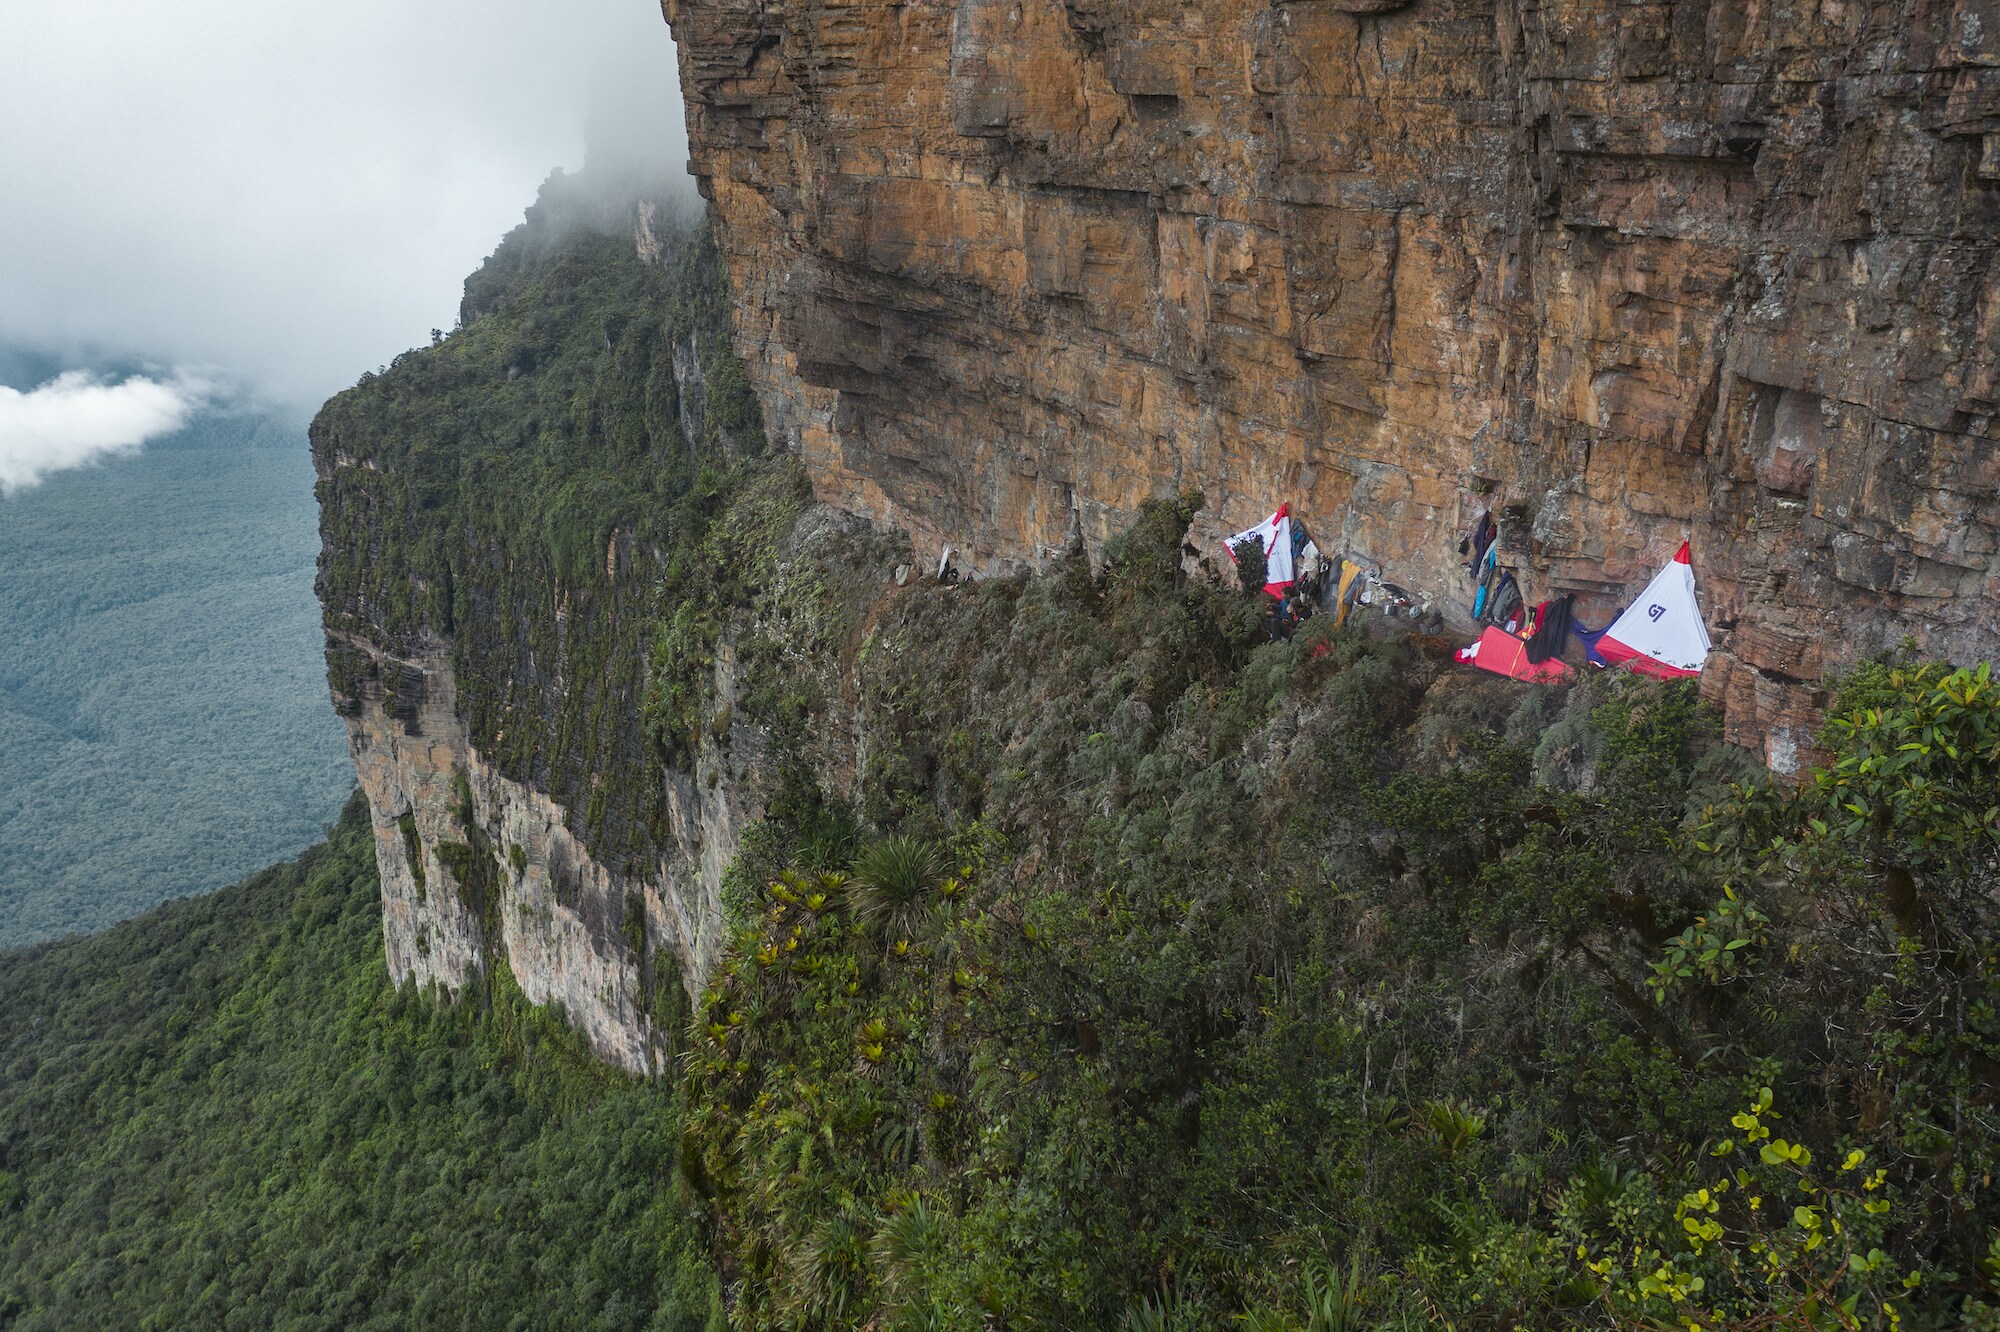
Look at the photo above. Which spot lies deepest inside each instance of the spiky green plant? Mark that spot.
(906, 1240)
(823, 1271)
(895, 882)
(1454, 1122)
(1333, 1302)
(1151, 1313)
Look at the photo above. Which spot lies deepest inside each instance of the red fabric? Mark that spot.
(1503, 654)
(1616, 653)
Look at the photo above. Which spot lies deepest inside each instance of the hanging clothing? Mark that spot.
(1350, 573)
(1505, 603)
(1551, 629)
(1483, 534)
(1487, 580)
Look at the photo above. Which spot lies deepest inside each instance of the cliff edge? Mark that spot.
(544, 540)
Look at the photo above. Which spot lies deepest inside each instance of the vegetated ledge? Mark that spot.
(1147, 972)
(546, 538)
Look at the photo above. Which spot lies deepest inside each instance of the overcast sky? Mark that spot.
(290, 192)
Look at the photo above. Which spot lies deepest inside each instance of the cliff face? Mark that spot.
(537, 537)
(1621, 273)
(475, 865)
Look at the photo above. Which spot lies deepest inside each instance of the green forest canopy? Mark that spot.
(222, 1115)
(1315, 984)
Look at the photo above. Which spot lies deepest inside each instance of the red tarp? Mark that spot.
(1503, 654)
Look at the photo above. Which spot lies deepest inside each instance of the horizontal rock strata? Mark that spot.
(1623, 274)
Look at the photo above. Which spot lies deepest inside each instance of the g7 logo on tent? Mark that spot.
(1655, 611)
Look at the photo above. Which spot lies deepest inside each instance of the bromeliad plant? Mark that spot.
(812, 1083)
(896, 881)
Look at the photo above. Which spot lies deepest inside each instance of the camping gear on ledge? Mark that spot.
(1589, 637)
(1504, 654)
(1275, 535)
(1309, 564)
(1552, 622)
(1662, 632)
(1345, 598)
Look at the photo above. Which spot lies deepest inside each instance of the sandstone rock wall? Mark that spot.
(598, 943)
(1623, 273)
(490, 615)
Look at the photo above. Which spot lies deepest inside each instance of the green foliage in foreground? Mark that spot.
(221, 1115)
(1186, 981)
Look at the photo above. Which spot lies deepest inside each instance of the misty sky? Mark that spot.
(286, 193)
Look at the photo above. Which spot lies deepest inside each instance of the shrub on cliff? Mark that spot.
(896, 881)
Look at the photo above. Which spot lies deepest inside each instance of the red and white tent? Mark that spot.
(1275, 533)
(1661, 633)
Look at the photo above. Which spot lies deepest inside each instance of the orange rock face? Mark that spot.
(1622, 273)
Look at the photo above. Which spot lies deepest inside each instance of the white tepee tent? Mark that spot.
(1661, 633)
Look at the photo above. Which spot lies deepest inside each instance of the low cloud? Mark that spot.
(78, 418)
